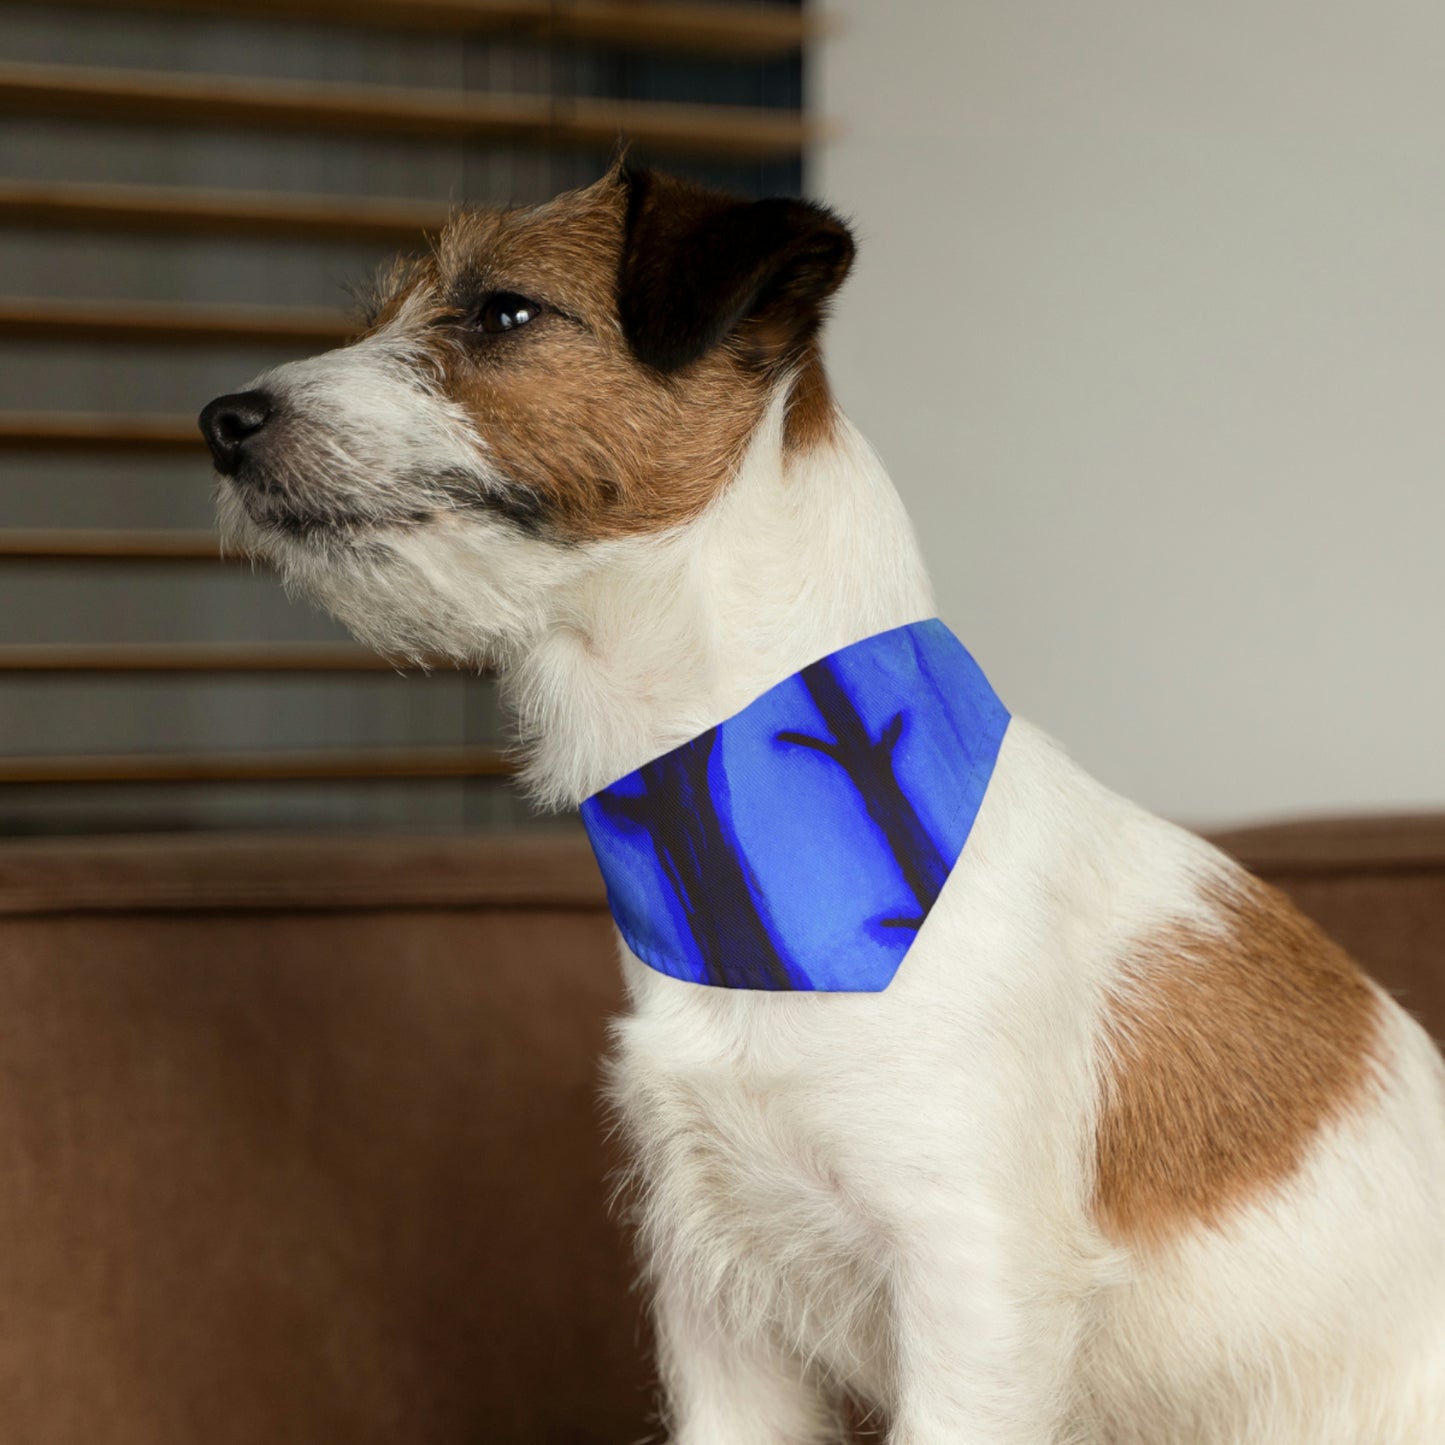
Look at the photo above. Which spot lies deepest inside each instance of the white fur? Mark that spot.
(889, 1194)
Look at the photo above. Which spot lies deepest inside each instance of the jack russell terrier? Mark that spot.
(955, 1085)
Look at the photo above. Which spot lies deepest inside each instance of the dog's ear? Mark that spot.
(699, 266)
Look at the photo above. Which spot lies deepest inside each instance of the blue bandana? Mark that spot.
(801, 843)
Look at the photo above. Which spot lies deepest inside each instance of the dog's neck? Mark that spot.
(804, 553)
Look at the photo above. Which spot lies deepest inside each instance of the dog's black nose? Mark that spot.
(229, 422)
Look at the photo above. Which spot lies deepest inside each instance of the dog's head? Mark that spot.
(547, 382)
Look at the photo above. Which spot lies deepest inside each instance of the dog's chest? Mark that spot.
(747, 1188)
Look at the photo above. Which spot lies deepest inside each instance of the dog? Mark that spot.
(1126, 1152)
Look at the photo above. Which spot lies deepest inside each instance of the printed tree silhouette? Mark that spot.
(699, 854)
(868, 762)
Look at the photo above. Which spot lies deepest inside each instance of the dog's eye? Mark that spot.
(505, 311)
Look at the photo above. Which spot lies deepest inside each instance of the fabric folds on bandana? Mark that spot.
(801, 843)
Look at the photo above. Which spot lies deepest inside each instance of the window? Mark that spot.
(188, 192)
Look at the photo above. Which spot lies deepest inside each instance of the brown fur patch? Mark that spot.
(1228, 1051)
(812, 413)
(594, 441)
(597, 443)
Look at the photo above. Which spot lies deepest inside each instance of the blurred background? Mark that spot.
(190, 193)
(301, 1007)
(1149, 324)
(1146, 323)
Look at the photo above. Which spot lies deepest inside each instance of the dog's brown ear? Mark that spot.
(699, 267)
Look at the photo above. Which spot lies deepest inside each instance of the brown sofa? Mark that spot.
(299, 1140)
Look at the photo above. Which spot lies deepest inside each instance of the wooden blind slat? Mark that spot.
(753, 31)
(360, 764)
(181, 657)
(156, 97)
(175, 211)
(107, 546)
(705, 29)
(168, 323)
(93, 431)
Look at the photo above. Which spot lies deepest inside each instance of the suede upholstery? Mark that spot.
(300, 1140)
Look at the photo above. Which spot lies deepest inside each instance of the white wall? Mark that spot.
(1149, 324)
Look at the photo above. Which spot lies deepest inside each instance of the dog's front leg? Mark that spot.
(985, 1345)
(723, 1389)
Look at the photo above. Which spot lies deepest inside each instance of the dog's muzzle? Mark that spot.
(231, 424)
